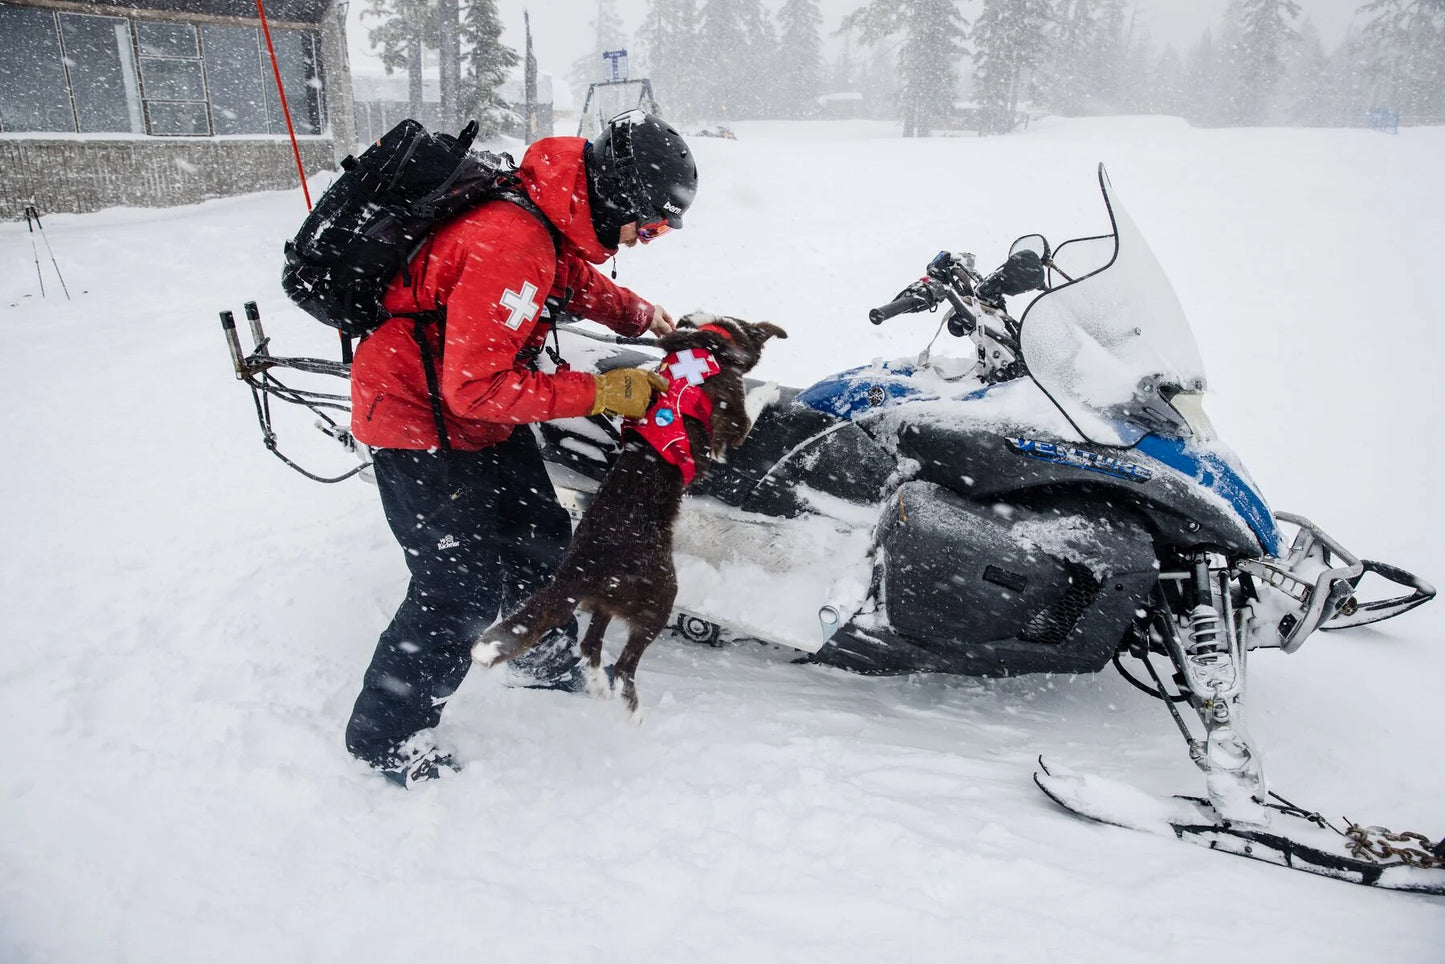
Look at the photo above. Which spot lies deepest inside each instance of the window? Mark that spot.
(295, 53)
(33, 94)
(173, 78)
(166, 39)
(237, 81)
(102, 73)
(69, 72)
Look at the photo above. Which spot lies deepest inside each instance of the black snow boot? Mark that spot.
(425, 766)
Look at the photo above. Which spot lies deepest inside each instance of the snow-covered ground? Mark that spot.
(185, 621)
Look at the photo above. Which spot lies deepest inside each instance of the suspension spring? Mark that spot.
(1203, 629)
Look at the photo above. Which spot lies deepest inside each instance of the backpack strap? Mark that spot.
(433, 384)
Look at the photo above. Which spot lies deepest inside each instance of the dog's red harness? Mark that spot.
(662, 427)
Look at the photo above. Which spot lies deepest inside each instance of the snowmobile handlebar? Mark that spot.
(919, 296)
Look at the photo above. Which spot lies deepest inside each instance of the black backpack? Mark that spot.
(374, 219)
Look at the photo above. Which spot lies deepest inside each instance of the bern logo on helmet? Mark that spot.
(671, 208)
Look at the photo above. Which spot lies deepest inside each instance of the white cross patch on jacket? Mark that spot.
(522, 305)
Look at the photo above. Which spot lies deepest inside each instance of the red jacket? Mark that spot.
(491, 268)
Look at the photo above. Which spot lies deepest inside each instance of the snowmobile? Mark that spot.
(1052, 499)
(1051, 502)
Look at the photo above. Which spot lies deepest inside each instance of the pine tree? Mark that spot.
(487, 62)
(1138, 83)
(1305, 92)
(406, 26)
(763, 64)
(1008, 40)
(1231, 100)
(800, 58)
(1201, 70)
(1403, 44)
(933, 43)
(1167, 84)
(669, 39)
(1107, 49)
(736, 42)
(1266, 31)
(1062, 80)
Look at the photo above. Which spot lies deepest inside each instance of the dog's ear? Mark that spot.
(761, 331)
(748, 340)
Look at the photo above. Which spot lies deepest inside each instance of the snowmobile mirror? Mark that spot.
(1036, 243)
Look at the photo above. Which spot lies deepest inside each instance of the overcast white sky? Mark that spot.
(561, 28)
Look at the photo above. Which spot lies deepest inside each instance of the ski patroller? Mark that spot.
(1052, 500)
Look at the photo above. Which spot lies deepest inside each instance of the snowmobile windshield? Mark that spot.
(1112, 346)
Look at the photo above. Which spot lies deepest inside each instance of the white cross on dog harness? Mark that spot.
(688, 364)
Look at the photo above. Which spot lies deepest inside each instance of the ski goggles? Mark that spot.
(652, 230)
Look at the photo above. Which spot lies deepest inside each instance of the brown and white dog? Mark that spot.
(619, 564)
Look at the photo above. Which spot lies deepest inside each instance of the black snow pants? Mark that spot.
(480, 531)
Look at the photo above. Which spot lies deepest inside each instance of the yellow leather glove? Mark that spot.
(626, 391)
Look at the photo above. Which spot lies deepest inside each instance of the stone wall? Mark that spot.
(68, 174)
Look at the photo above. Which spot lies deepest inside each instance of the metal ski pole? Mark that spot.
(50, 252)
(34, 251)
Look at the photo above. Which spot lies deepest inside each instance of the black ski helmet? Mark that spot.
(639, 169)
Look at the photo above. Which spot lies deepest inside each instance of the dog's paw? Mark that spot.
(599, 683)
(629, 700)
(486, 652)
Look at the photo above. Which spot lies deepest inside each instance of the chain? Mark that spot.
(1364, 847)
(1426, 856)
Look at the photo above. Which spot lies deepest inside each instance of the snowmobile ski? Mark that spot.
(1293, 838)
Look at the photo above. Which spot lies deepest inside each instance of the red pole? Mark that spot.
(276, 68)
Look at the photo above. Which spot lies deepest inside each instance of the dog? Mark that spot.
(619, 563)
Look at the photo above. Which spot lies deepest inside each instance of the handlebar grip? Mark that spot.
(897, 306)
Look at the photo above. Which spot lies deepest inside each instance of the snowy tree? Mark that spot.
(405, 27)
(737, 43)
(669, 39)
(488, 63)
(1138, 78)
(608, 33)
(1166, 87)
(1306, 94)
(1201, 67)
(1266, 31)
(1107, 47)
(1083, 59)
(449, 60)
(1008, 40)
(932, 44)
(1063, 80)
(800, 58)
(1403, 45)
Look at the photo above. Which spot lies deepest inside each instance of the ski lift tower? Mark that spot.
(608, 98)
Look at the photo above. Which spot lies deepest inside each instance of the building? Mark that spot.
(162, 102)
